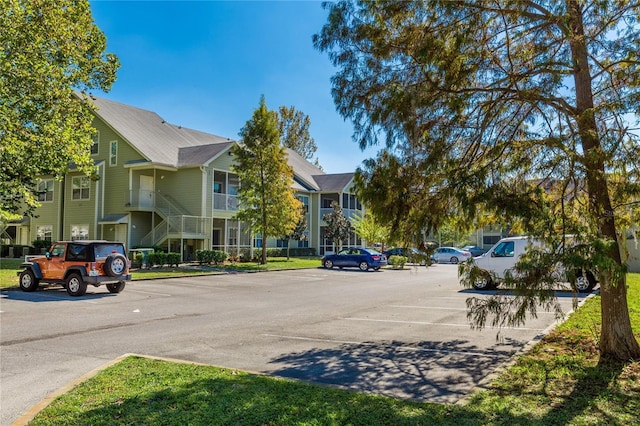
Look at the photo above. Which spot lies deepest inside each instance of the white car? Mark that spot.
(504, 255)
(450, 255)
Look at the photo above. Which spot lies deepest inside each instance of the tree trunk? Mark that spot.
(616, 339)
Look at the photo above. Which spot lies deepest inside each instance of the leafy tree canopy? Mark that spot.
(338, 226)
(370, 229)
(267, 200)
(294, 132)
(49, 50)
(519, 111)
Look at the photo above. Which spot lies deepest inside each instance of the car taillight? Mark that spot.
(376, 257)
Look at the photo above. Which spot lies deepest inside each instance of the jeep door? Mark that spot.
(54, 267)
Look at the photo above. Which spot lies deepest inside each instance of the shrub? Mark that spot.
(173, 259)
(138, 261)
(157, 258)
(208, 256)
(219, 256)
(41, 244)
(397, 262)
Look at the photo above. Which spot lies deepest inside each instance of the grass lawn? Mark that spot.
(561, 381)
(9, 267)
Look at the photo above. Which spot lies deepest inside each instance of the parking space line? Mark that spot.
(400, 347)
(149, 292)
(435, 323)
(449, 309)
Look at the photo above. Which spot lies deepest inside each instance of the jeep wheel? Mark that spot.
(116, 288)
(115, 265)
(75, 285)
(28, 281)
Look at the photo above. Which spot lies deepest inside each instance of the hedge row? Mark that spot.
(209, 256)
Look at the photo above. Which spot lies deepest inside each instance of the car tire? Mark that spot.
(328, 263)
(377, 268)
(115, 265)
(75, 285)
(364, 266)
(454, 260)
(116, 287)
(28, 281)
(584, 284)
(483, 282)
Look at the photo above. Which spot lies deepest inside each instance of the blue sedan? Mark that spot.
(357, 257)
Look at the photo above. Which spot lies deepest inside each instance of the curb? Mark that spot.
(485, 383)
(32, 412)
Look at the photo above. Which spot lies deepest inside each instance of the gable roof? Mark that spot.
(333, 182)
(155, 139)
(167, 144)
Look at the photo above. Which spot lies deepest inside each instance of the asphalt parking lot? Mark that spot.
(397, 333)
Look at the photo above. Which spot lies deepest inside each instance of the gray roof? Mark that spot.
(154, 138)
(304, 170)
(163, 143)
(194, 155)
(333, 182)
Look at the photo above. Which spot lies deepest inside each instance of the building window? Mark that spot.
(257, 241)
(280, 243)
(45, 190)
(113, 153)
(80, 188)
(44, 232)
(96, 143)
(304, 242)
(305, 203)
(79, 232)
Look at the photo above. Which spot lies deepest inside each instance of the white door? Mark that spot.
(145, 197)
(121, 233)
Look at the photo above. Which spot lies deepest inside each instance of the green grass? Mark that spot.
(9, 268)
(561, 381)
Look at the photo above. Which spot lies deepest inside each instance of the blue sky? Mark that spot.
(205, 64)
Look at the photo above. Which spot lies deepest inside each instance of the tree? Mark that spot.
(49, 50)
(298, 233)
(338, 226)
(294, 132)
(370, 229)
(266, 198)
(519, 110)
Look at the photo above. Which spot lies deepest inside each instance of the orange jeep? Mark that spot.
(74, 264)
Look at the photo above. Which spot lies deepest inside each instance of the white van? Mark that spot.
(503, 256)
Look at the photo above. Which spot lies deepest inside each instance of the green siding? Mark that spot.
(116, 188)
(184, 187)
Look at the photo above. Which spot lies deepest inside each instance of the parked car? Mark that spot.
(359, 257)
(450, 255)
(474, 250)
(75, 264)
(504, 255)
(412, 254)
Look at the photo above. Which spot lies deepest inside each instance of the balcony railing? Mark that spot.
(349, 213)
(197, 227)
(225, 202)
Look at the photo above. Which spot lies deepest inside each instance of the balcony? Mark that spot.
(187, 227)
(225, 202)
(349, 213)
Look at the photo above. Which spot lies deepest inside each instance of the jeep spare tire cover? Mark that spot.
(115, 265)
